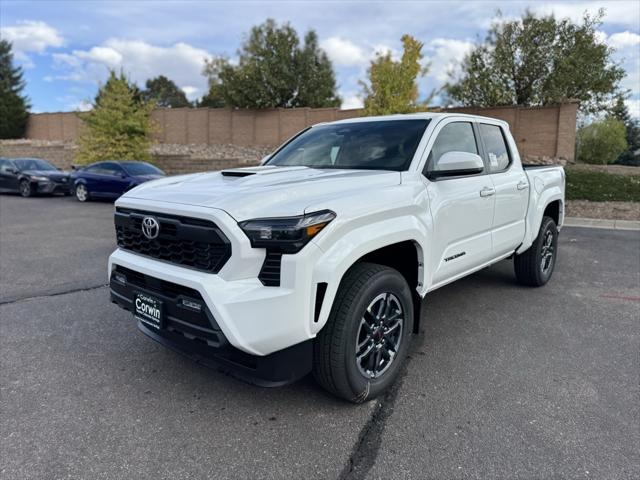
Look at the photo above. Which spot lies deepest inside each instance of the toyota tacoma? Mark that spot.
(318, 259)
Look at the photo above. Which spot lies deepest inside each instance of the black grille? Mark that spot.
(157, 286)
(190, 242)
(270, 271)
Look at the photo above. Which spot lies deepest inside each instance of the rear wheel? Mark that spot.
(25, 188)
(82, 194)
(360, 351)
(535, 266)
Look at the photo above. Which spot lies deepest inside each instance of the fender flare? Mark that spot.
(534, 216)
(355, 244)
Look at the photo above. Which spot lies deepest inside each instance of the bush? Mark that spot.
(601, 186)
(601, 142)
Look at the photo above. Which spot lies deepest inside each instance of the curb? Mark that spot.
(601, 223)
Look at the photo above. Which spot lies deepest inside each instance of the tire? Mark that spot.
(535, 266)
(25, 188)
(82, 193)
(336, 365)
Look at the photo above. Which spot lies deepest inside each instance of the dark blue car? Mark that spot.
(111, 179)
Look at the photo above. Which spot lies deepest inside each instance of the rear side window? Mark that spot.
(496, 147)
(96, 168)
(454, 137)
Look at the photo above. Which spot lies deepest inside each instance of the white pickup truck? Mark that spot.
(318, 260)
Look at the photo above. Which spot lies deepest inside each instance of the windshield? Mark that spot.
(376, 145)
(33, 164)
(141, 168)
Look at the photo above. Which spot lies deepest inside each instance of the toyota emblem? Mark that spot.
(150, 227)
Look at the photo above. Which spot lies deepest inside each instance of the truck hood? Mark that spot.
(265, 191)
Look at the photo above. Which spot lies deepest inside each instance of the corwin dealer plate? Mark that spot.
(148, 310)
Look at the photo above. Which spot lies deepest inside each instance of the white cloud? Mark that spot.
(620, 13)
(191, 92)
(105, 55)
(344, 52)
(32, 36)
(622, 40)
(634, 107)
(352, 101)
(140, 60)
(81, 106)
(444, 56)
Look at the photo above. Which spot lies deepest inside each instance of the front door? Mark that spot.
(461, 207)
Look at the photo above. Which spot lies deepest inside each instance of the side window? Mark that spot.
(4, 165)
(454, 137)
(497, 151)
(112, 169)
(96, 168)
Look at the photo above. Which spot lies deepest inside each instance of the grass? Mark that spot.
(601, 186)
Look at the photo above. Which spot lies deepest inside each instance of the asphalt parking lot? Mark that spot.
(503, 382)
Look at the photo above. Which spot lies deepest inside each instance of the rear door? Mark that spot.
(511, 184)
(461, 206)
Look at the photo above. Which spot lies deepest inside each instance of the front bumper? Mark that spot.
(52, 187)
(195, 333)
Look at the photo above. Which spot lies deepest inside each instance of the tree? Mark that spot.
(392, 84)
(118, 126)
(165, 93)
(539, 61)
(273, 70)
(14, 107)
(619, 111)
(601, 141)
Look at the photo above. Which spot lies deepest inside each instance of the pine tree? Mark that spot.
(13, 105)
(118, 126)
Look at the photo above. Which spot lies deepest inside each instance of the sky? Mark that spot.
(66, 48)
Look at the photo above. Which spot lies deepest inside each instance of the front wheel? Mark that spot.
(360, 351)
(535, 266)
(82, 194)
(25, 188)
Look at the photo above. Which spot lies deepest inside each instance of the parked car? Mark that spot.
(31, 176)
(319, 259)
(111, 179)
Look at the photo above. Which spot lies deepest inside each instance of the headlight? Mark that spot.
(39, 179)
(287, 235)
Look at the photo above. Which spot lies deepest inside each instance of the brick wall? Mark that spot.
(543, 134)
(173, 159)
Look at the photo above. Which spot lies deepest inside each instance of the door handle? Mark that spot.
(522, 185)
(487, 192)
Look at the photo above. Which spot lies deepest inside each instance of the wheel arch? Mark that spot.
(405, 256)
(553, 210)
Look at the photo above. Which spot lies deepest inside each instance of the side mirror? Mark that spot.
(457, 163)
(11, 170)
(265, 159)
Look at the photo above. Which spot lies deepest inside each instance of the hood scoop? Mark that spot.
(259, 170)
(236, 173)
